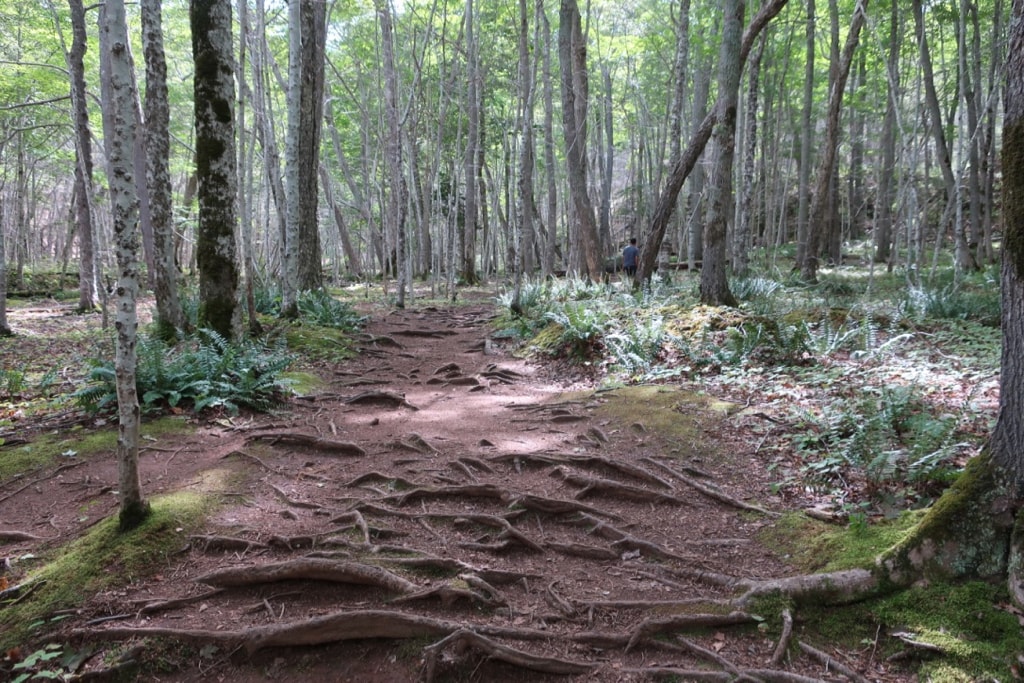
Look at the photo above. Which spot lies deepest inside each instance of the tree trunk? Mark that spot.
(714, 286)
(551, 242)
(311, 99)
(572, 55)
(742, 240)
(120, 109)
(471, 160)
(806, 139)
(396, 204)
(681, 170)
(883, 233)
(170, 316)
(214, 85)
(5, 330)
(88, 279)
(830, 146)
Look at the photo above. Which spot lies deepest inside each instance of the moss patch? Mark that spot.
(320, 343)
(105, 557)
(978, 639)
(669, 413)
(814, 546)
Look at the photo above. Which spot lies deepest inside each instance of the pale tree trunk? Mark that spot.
(742, 239)
(572, 55)
(170, 316)
(677, 107)
(970, 87)
(698, 140)
(124, 201)
(806, 139)
(351, 256)
(246, 150)
(398, 190)
(88, 277)
(830, 146)
(714, 285)
(883, 232)
(606, 158)
(214, 85)
(471, 161)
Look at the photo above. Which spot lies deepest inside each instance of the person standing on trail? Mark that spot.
(630, 257)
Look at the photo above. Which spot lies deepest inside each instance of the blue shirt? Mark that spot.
(629, 256)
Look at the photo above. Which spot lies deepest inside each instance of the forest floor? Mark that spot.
(444, 510)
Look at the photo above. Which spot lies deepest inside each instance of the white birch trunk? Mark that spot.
(120, 112)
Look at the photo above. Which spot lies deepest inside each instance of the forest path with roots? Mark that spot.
(444, 511)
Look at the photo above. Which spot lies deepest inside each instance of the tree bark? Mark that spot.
(806, 139)
(883, 232)
(572, 55)
(398, 190)
(170, 316)
(216, 164)
(88, 278)
(742, 240)
(714, 285)
(120, 110)
(471, 160)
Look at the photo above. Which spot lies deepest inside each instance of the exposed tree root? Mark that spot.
(590, 486)
(622, 540)
(589, 552)
(381, 398)
(554, 506)
(679, 622)
(292, 502)
(451, 566)
(309, 441)
(416, 443)
(710, 491)
(13, 536)
(150, 607)
(787, 633)
(429, 334)
(377, 476)
(309, 569)
(620, 467)
(211, 542)
(464, 638)
(489, 491)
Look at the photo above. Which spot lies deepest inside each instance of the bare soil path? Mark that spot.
(445, 511)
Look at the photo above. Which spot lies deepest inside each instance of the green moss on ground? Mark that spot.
(316, 343)
(104, 557)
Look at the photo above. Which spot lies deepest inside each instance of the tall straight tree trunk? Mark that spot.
(830, 147)
(806, 139)
(311, 97)
(216, 165)
(471, 161)
(293, 191)
(88, 276)
(398, 190)
(551, 242)
(698, 140)
(246, 152)
(714, 285)
(525, 208)
(572, 55)
(158, 175)
(741, 242)
(695, 201)
(124, 201)
(883, 233)
(5, 330)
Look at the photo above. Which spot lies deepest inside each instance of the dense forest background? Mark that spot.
(442, 148)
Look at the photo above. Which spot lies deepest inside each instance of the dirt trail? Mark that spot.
(444, 511)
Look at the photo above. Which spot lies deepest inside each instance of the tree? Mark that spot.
(302, 253)
(572, 56)
(215, 164)
(714, 286)
(124, 200)
(88, 280)
(170, 316)
(393, 148)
